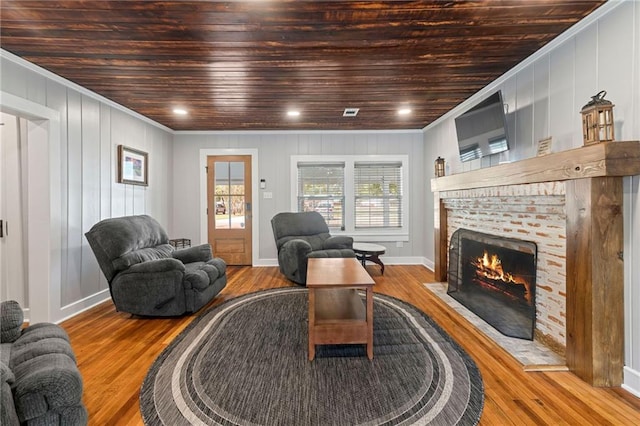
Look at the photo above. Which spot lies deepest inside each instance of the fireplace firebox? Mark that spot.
(495, 277)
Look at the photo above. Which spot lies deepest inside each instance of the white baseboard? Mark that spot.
(265, 262)
(75, 308)
(403, 260)
(429, 264)
(631, 381)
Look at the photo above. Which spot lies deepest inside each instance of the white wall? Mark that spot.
(91, 128)
(544, 95)
(274, 152)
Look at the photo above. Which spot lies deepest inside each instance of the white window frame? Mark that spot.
(372, 234)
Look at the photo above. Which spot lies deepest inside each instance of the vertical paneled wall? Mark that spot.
(91, 129)
(274, 152)
(544, 96)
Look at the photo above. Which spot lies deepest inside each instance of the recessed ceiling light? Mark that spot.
(180, 111)
(404, 111)
(293, 113)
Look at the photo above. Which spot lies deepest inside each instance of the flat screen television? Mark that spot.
(482, 130)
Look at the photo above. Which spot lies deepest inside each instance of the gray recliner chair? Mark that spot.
(300, 236)
(146, 275)
(40, 383)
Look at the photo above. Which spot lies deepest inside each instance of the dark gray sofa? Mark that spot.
(146, 275)
(300, 236)
(39, 380)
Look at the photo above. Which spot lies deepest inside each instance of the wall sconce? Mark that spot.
(597, 120)
(439, 167)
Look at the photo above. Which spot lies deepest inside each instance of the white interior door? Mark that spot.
(13, 271)
(3, 269)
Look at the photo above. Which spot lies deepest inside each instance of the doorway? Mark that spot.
(13, 275)
(230, 207)
(43, 197)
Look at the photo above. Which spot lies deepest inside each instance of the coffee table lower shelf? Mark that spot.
(339, 317)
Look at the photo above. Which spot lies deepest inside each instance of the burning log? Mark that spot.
(489, 271)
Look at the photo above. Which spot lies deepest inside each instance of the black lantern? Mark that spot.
(439, 167)
(597, 120)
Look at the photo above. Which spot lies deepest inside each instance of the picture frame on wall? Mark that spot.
(132, 166)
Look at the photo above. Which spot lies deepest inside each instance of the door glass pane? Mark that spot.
(230, 205)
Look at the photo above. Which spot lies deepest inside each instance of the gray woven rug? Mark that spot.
(245, 363)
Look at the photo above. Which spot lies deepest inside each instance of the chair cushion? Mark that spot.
(113, 238)
(125, 261)
(200, 275)
(315, 241)
(332, 253)
(289, 225)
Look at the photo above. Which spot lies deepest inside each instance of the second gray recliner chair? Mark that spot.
(300, 236)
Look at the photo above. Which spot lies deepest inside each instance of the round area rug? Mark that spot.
(245, 362)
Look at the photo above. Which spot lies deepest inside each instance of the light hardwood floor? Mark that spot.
(115, 350)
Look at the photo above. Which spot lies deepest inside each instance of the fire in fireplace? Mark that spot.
(495, 278)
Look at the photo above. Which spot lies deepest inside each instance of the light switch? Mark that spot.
(267, 194)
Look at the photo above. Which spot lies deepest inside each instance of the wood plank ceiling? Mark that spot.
(241, 65)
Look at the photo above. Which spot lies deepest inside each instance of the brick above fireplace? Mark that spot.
(533, 212)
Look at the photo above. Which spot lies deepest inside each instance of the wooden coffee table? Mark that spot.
(337, 314)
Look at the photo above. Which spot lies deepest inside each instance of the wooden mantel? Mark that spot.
(595, 241)
(600, 160)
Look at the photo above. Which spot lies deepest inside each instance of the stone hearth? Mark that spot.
(533, 355)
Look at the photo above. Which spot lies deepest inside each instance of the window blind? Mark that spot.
(378, 194)
(321, 189)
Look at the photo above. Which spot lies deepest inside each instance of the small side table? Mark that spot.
(180, 243)
(370, 252)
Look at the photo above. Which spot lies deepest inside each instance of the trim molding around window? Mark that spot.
(373, 204)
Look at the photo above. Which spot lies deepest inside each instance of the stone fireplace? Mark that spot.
(533, 212)
(495, 277)
(570, 205)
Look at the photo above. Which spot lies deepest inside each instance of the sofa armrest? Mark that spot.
(160, 265)
(201, 253)
(47, 382)
(338, 242)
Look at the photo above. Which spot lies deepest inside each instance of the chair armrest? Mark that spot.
(338, 242)
(47, 382)
(296, 248)
(292, 259)
(159, 265)
(201, 253)
(11, 318)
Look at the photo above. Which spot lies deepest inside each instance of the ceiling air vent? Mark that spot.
(350, 112)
